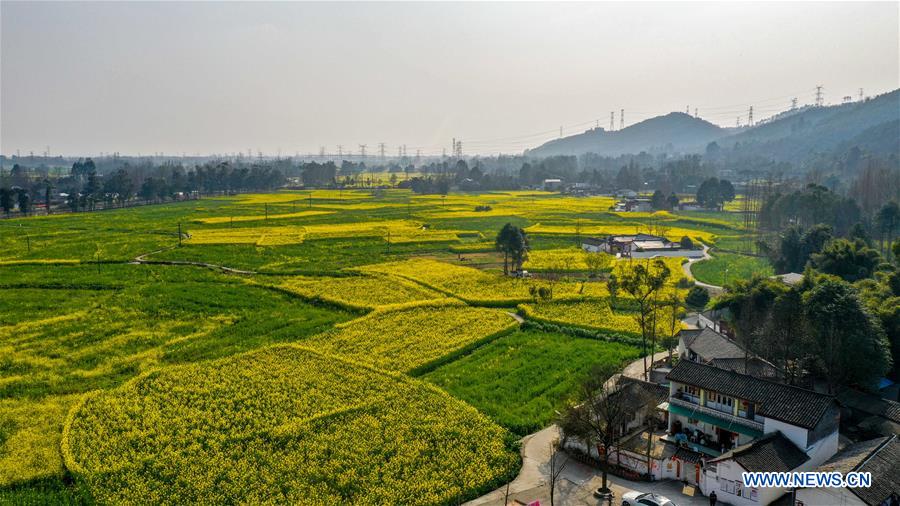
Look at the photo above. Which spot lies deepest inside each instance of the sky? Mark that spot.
(225, 77)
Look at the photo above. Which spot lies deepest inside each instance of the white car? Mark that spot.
(644, 499)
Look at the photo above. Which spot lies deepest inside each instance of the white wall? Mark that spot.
(821, 451)
(729, 473)
(797, 435)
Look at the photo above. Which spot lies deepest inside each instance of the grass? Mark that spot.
(519, 380)
(713, 272)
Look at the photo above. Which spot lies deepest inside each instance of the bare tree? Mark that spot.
(558, 462)
(599, 416)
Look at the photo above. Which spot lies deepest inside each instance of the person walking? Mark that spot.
(713, 498)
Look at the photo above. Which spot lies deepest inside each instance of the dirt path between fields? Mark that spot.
(713, 289)
(142, 259)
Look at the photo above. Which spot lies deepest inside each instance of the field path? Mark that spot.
(142, 259)
(714, 289)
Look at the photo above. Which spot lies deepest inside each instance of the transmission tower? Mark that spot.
(687, 110)
(738, 122)
(381, 149)
(860, 94)
(340, 151)
(695, 113)
(819, 97)
(621, 119)
(404, 150)
(612, 120)
(362, 150)
(321, 151)
(794, 104)
(750, 117)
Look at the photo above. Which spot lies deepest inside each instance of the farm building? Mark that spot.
(625, 245)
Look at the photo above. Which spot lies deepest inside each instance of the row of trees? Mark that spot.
(841, 325)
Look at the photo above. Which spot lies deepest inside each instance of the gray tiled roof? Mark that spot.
(870, 404)
(853, 455)
(884, 464)
(793, 405)
(709, 344)
(755, 366)
(772, 452)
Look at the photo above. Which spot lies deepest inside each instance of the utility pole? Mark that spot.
(622, 119)
(179, 236)
(750, 117)
(819, 97)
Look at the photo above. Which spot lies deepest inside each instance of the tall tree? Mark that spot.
(851, 260)
(513, 243)
(888, 222)
(850, 344)
(644, 281)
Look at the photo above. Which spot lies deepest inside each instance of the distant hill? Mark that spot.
(793, 136)
(871, 125)
(673, 132)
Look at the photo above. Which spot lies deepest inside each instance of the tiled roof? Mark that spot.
(755, 366)
(593, 241)
(870, 404)
(884, 464)
(793, 405)
(643, 390)
(709, 344)
(847, 459)
(772, 452)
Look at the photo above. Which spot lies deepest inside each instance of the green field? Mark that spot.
(362, 301)
(727, 267)
(520, 380)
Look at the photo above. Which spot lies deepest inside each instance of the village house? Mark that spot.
(706, 346)
(625, 245)
(715, 411)
(633, 206)
(552, 184)
(880, 457)
(716, 319)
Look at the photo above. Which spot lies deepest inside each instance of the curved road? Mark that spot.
(713, 289)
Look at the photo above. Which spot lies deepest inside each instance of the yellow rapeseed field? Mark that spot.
(283, 425)
(411, 338)
(360, 292)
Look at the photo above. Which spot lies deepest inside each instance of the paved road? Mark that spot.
(578, 481)
(713, 289)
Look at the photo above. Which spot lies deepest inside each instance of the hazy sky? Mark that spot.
(225, 77)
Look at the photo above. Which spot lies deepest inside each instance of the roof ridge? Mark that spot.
(875, 451)
(754, 378)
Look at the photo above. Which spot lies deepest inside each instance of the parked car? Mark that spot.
(645, 499)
